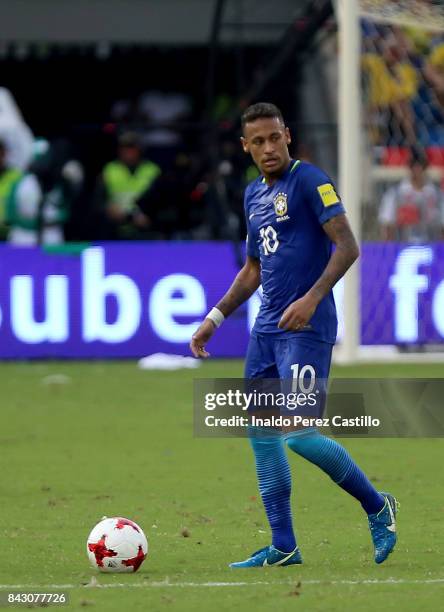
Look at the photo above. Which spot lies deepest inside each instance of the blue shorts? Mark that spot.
(271, 356)
(301, 364)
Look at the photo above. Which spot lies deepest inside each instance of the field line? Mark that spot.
(167, 584)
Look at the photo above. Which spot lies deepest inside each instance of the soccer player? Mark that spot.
(293, 215)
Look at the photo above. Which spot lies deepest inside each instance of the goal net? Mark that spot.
(399, 295)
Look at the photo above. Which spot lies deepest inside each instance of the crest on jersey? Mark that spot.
(280, 204)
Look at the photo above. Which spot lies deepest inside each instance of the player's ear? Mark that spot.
(287, 135)
(244, 143)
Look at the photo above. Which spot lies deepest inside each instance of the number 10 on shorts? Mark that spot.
(304, 379)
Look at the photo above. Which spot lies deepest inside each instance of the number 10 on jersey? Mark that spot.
(270, 240)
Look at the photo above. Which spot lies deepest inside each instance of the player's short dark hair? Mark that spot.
(261, 110)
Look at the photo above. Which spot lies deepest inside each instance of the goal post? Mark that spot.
(349, 162)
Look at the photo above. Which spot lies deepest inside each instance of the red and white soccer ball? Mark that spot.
(117, 545)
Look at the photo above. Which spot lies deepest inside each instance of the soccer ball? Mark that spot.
(117, 545)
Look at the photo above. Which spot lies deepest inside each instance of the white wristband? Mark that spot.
(216, 316)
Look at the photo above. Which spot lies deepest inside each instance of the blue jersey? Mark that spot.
(284, 224)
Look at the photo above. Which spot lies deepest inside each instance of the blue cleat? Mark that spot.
(383, 528)
(269, 556)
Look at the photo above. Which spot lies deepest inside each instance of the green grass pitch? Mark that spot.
(117, 441)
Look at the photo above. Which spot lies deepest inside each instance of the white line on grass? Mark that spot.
(166, 584)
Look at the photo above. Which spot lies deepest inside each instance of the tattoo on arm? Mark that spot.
(346, 252)
(243, 287)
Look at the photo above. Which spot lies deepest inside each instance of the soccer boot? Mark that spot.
(269, 556)
(383, 528)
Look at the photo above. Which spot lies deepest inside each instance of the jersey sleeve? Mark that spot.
(321, 195)
(252, 247)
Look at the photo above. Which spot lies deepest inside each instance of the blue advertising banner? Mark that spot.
(131, 299)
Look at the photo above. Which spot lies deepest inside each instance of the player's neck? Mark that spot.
(271, 179)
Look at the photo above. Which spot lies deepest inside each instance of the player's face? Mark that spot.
(267, 142)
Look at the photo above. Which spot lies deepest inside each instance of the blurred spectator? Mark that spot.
(177, 202)
(413, 210)
(156, 116)
(14, 132)
(392, 85)
(122, 183)
(163, 109)
(231, 179)
(419, 38)
(434, 69)
(8, 177)
(39, 204)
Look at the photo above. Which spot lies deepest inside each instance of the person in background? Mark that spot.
(38, 206)
(392, 84)
(8, 177)
(413, 210)
(434, 69)
(14, 132)
(176, 202)
(160, 113)
(121, 184)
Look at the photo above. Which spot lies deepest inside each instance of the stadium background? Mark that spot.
(182, 88)
(85, 438)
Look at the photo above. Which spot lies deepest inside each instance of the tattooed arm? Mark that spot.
(298, 314)
(346, 252)
(243, 287)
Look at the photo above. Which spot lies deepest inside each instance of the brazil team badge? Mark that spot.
(280, 204)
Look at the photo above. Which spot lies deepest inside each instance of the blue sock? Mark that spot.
(274, 479)
(335, 461)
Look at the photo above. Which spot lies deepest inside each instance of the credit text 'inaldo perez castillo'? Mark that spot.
(296, 420)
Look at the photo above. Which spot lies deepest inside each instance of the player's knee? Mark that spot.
(264, 438)
(305, 443)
